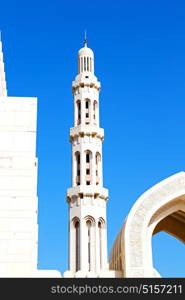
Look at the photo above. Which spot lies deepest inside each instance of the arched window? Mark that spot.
(101, 227)
(87, 63)
(95, 111)
(100, 242)
(87, 111)
(98, 167)
(77, 167)
(88, 160)
(84, 63)
(81, 64)
(78, 103)
(77, 234)
(76, 242)
(88, 223)
(89, 248)
(90, 64)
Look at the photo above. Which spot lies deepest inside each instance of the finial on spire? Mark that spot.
(85, 38)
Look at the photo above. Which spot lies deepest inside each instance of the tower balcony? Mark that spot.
(86, 79)
(89, 130)
(90, 190)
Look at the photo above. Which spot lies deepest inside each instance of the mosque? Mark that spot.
(161, 208)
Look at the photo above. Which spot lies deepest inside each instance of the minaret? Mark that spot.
(87, 197)
(3, 90)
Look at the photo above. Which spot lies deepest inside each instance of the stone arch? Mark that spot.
(75, 241)
(102, 222)
(90, 237)
(75, 220)
(89, 218)
(154, 211)
(101, 240)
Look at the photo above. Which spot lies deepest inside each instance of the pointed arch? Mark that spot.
(90, 219)
(160, 208)
(90, 238)
(75, 240)
(101, 238)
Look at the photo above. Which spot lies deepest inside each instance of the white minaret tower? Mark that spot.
(87, 198)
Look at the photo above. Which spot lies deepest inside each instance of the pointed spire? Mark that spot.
(85, 38)
(3, 90)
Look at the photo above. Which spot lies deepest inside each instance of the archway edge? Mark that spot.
(134, 234)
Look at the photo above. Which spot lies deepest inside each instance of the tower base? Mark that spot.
(101, 274)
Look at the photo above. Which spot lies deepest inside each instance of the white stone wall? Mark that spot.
(18, 188)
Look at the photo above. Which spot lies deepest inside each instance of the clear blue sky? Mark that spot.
(139, 51)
